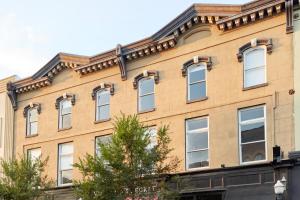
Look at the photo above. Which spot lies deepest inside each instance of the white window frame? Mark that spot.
(205, 149)
(201, 66)
(258, 141)
(60, 123)
(151, 93)
(245, 62)
(102, 105)
(28, 122)
(60, 155)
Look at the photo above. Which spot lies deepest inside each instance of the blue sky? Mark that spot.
(33, 31)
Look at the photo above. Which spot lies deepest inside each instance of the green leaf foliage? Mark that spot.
(127, 167)
(23, 179)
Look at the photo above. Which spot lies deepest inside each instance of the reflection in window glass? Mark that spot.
(254, 67)
(65, 114)
(32, 121)
(103, 105)
(146, 94)
(65, 168)
(252, 134)
(197, 143)
(196, 82)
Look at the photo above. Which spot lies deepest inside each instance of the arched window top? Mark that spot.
(146, 74)
(197, 60)
(254, 56)
(30, 107)
(65, 96)
(253, 45)
(103, 87)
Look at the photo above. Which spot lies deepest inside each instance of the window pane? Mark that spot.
(255, 76)
(255, 58)
(66, 148)
(66, 107)
(197, 91)
(146, 86)
(66, 121)
(253, 152)
(146, 102)
(34, 154)
(33, 115)
(103, 112)
(153, 138)
(196, 74)
(253, 132)
(66, 177)
(66, 162)
(198, 159)
(253, 113)
(33, 128)
(102, 140)
(103, 97)
(196, 141)
(194, 124)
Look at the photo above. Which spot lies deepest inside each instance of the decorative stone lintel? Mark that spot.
(196, 60)
(30, 106)
(63, 97)
(103, 86)
(253, 43)
(145, 74)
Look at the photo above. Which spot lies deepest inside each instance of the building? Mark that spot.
(6, 121)
(222, 76)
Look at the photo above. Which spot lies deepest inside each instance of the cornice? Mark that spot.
(268, 9)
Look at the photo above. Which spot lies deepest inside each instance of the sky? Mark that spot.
(32, 32)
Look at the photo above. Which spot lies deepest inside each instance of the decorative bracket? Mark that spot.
(196, 60)
(65, 96)
(103, 86)
(121, 62)
(254, 43)
(32, 105)
(11, 92)
(289, 7)
(145, 74)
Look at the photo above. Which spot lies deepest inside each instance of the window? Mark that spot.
(196, 82)
(153, 137)
(252, 134)
(65, 114)
(254, 66)
(65, 164)
(197, 143)
(102, 105)
(32, 121)
(101, 140)
(146, 94)
(34, 154)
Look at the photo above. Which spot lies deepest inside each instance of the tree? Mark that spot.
(128, 167)
(23, 179)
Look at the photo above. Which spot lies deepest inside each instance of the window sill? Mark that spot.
(31, 136)
(197, 169)
(146, 111)
(68, 185)
(197, 100)
(101, 121)
(64, 129)
(254, 162)
(255, 86)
